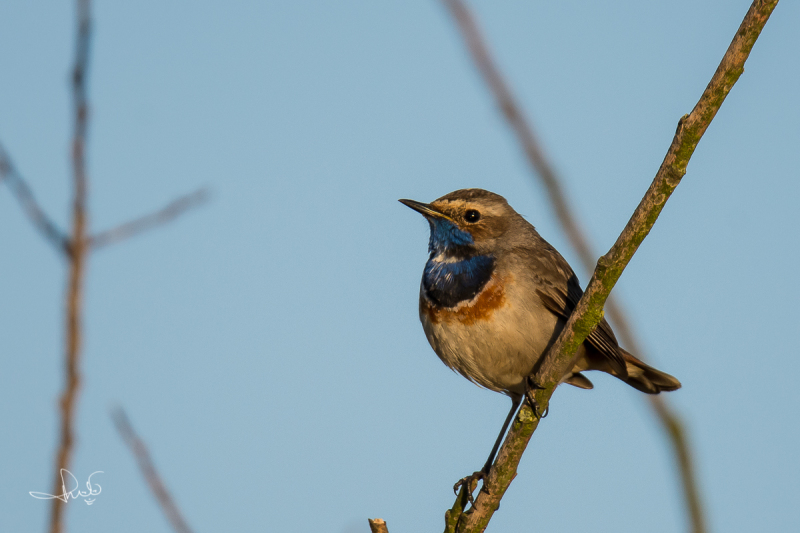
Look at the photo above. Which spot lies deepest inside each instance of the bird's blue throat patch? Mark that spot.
(446, 237)
(454, 272)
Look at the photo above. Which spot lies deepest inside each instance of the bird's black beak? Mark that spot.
(425, 209)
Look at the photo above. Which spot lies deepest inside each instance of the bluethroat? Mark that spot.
(495, 295)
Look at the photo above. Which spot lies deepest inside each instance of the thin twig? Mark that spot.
(76, 247)
(683, 457)
(670, 420)
(77, 258)
(149, 471)
(377, 525)
(134, 227)
(49, 230)
(589, 310)
(516, 119)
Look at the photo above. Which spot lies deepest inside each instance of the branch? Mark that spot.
(536, 156)
(74, 298)
(49, 230)
(149, 471)
(676, 432)
(589, 310)
(377, 525)
(129, 229)
(667, 416)
(516, 119)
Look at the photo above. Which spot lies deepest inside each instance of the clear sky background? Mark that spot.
(267, 345)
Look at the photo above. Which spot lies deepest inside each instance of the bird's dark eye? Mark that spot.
(472, 216)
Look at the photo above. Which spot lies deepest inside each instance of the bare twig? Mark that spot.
(149, 471)
(670, 420)
(516, 119)
(134, 227)
(49, 230)
(377, 525)
(76, 247)
(676, 432)
(77, 258)
(589, 310)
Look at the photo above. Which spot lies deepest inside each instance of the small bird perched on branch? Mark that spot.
(495, 295)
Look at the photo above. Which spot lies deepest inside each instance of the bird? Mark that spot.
(494, 297)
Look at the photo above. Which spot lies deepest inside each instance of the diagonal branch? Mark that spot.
(589, 310)
(129, 229)
(149, 471)
(675, 431)
(522, 128)
(668, 417)
(49, 230)
(535, 154)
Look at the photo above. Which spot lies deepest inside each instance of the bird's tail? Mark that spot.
(646, 378)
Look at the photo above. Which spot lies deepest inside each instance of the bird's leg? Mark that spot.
(530, 387)
(481, 474)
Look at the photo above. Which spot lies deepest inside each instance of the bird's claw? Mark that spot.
(530, 387)
(467, 483)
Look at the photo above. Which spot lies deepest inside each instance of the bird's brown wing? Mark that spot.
(560, 291)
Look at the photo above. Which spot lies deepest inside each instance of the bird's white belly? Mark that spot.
(493, 339)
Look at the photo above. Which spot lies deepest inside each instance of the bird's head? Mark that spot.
(466, 222)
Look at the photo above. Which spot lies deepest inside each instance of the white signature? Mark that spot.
(74, 493)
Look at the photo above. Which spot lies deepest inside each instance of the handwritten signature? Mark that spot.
(74, 493)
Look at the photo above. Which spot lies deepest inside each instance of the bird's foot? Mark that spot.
(470, 483)
(530, 388)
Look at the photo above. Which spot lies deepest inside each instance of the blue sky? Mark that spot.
(267, 345)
